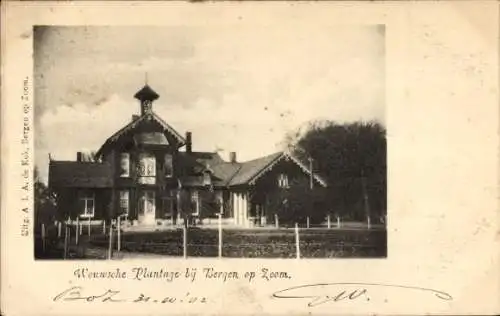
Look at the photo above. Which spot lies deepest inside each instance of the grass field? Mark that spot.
(258, 243)
(237, 243)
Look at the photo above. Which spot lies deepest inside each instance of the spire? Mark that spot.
(146, 95)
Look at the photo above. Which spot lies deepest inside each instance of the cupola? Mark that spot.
(146, 96)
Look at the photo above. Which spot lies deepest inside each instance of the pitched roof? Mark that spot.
(226, 171)
(235, 173)
(146, 93)
(80, 174)
(252, 170)
(146, 116)
(204, 157)
(195, 163)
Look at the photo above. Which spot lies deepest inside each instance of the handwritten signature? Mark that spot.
(322, 293)
(76, 293)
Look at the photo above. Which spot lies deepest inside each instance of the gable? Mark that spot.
(149, 125)
(251, 171)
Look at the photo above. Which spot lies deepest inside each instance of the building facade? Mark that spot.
(148, 173)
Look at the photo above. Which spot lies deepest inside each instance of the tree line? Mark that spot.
(352, 158)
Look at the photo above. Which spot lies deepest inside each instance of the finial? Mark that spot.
(146, 78)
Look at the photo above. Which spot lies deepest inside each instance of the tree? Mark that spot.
(44, 201)
(298, 202)
(210, 204)
(185, 205)
(352, 159)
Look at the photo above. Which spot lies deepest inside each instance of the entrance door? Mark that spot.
(147, 207)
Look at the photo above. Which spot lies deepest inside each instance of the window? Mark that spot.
(168, 205)
(124, 165)
(195, 199)
(124, 202)
(168, 166)
(283, 180)
(147, 105)
(87, 204)
(146, 168)
(220, 200)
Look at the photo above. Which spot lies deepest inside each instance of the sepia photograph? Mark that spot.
(216, 158)
(162, 141)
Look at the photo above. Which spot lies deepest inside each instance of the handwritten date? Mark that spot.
(76, 293)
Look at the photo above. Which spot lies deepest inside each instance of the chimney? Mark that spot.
(232, 157)
(189, 143)
(79, 156)
(135, 117)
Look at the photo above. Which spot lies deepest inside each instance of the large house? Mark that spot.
(149, 173)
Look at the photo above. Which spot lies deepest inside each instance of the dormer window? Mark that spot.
(206, 178)
(124, 165)
(283, 180)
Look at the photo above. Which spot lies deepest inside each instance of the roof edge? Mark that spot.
(181, 140)
(302, 166)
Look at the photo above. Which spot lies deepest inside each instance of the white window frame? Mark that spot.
(125, 196)
(283, 180)
(146, 168)
(125, 160)
(86, 197)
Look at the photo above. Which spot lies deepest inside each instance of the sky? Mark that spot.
(236, 89)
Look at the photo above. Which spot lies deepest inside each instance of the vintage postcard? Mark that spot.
(331, 158)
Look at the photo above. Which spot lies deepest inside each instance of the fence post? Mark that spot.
(220, 235)
(66, 228)
(43, 237)
(276, 220)
(59, 226)
(307, 221)
(89, 225)
(297, 240)
(119, 242)
(368, 222)
(79, 225)
(110, 247)
(184, 241)
(104, 227)
(329, 222)
(338, 221)
(77, 229)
